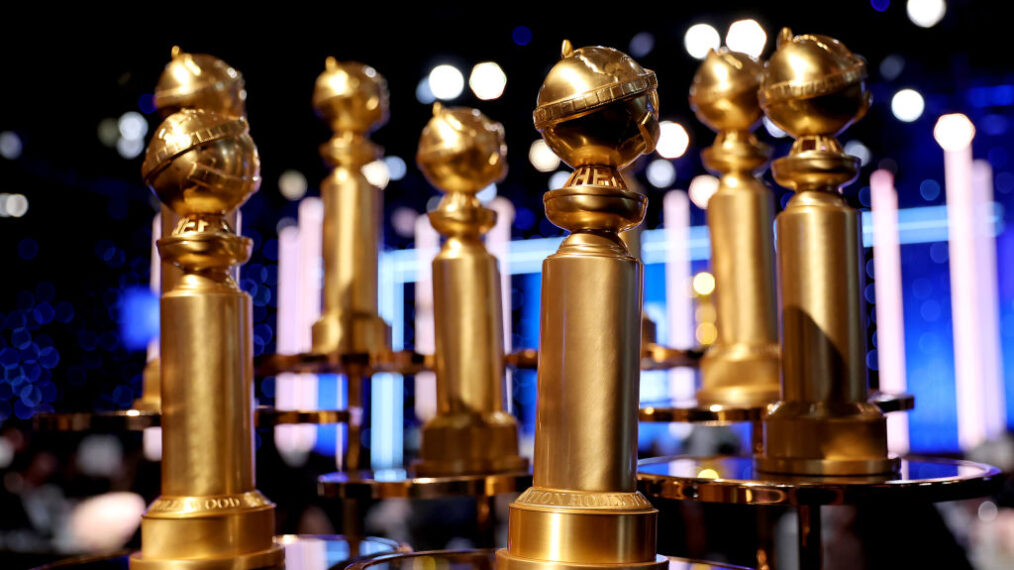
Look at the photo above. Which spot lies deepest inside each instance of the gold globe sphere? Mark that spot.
(351, 96)
(200, 81)
(598, 106)
(199, 162)
(462, 150)
(813, 85)
(724, 91)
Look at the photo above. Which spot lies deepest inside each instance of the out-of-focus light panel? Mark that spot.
(746, 36)
(699, 39)
(446, 82)
(377, 174)
(13, 205)
(423, 92)
(661, 173)
(10, 145)
(396, 167)
(860, 151)
(673, 140)
(926, 13)
(558, 179)
(702, 188)
(292, 184)
(907, 105)
(542, 157)
(487, 80)
(642, 44)
(954, 132)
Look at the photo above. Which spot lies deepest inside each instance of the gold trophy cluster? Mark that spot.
(598, 109)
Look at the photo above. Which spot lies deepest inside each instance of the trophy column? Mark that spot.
(210, 515)
(598, 110)
(352, 98)
(461, 152)
(741, 368)
(813, 89)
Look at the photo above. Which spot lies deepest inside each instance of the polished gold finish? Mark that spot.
(483, 559)
(741, 368)
(461, 152)
(735, 479)
(139, 419)
(813, 88)
(402, 484)
(696, 413)
(210, 515)
(352, 98)
(200, 81)
(598, 110)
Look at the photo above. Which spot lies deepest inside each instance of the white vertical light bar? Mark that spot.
(992, 355)
(679, 303)
(498, 241)
(427, 242)
(311, 269)
(151, 440)
(298, 307)
(311, 281)
(287, 439)
(954, 133)
(890, 314)
(387, 394)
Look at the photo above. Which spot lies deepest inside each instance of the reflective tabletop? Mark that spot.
(484, 560)
(691, 411)
(401, 483)
(733, 479)
(302, 552)
(137, 420)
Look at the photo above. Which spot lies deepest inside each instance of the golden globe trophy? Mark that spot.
(813, 88)
(461, 152)
(352, 99)
(597, 110)
(203, 166)
(741, 368)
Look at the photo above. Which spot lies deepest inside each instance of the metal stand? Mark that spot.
(483, 559)
(690, 411)
(736, 480)
(138, 420)
(399, 483)
(354, 488)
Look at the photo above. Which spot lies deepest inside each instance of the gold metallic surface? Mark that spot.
(697, 413)
(598, 111)
(461, 152)
(400, 484)
(484, 559)
(742, 367)
(735, 479)
(813, 87)
(352, 98)
(210, 514)
(199, 81)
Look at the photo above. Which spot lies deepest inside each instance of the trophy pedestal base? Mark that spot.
(274, 557)
(504, 561)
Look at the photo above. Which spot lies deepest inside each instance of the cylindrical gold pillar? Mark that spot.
(598, 110)
(461, 152)
(210, 515)
(813, 88)
(352, 98)
(741, 368)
